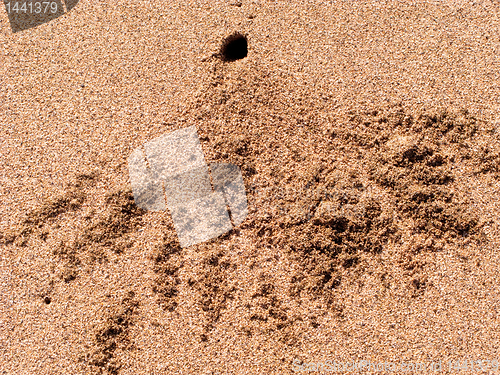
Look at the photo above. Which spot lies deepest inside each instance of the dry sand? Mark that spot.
(367, 135)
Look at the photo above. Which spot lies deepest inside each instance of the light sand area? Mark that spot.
(388, 109)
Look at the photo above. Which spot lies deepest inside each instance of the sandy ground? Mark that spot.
(367, 137)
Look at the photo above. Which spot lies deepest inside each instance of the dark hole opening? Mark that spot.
(234, 47)
(47, 300)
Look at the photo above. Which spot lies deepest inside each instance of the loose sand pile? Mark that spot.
(371, 235)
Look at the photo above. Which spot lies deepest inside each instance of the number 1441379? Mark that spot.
(36, 7)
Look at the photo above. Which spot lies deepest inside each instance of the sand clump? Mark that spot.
(103, 233)
(332, 195)
(326, 210)
(409, 163)
(88, 243)
(380, 179)
(168, 260)
(112, 336)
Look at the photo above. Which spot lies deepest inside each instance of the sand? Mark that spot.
(367, 136)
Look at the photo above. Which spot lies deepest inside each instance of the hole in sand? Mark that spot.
(234, 47)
